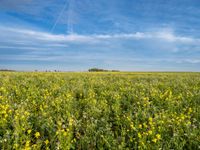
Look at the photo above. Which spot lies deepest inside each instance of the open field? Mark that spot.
(99, 110)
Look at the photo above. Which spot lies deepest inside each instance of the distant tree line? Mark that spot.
(48, 71)
(7, 70)
(101, 70)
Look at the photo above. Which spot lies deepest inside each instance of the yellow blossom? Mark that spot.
(158, 136)
(46, 142)
(132, 127)
(37, 134)
(150, 119)
(140, 126)
(190, 110)
(29, 131)
(139, 135)
(150, 132)
(154, 140)
(27, 143)
(65, 133)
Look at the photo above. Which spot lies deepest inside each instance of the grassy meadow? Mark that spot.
(99, 110)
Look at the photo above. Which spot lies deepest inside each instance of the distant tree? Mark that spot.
(101, 70)
(115, 70)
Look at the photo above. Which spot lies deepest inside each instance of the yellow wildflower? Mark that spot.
(158, 136)
(27, 143)
(71, 121)
(150, 132)
(46, 142)
(65, 133)
(154, 140)
(139, 135)
(29, 131)
(140, 126)
(37, 134)
(132, 127)
(150, 119)
(190, 110)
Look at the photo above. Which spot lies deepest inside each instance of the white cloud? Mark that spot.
(171, 37)
(192, 61)
(164, 35)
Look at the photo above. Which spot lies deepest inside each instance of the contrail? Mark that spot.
(69, 21)
(55, 24)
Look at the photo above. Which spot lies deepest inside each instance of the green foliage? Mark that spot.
(99, 110)
(101, 70)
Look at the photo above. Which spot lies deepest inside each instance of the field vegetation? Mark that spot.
(97, 110)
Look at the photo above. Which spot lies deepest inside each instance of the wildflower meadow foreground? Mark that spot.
(99, 111)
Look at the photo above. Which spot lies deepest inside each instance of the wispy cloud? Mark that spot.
(163, 35)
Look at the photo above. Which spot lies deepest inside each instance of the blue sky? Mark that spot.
(75, 35)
